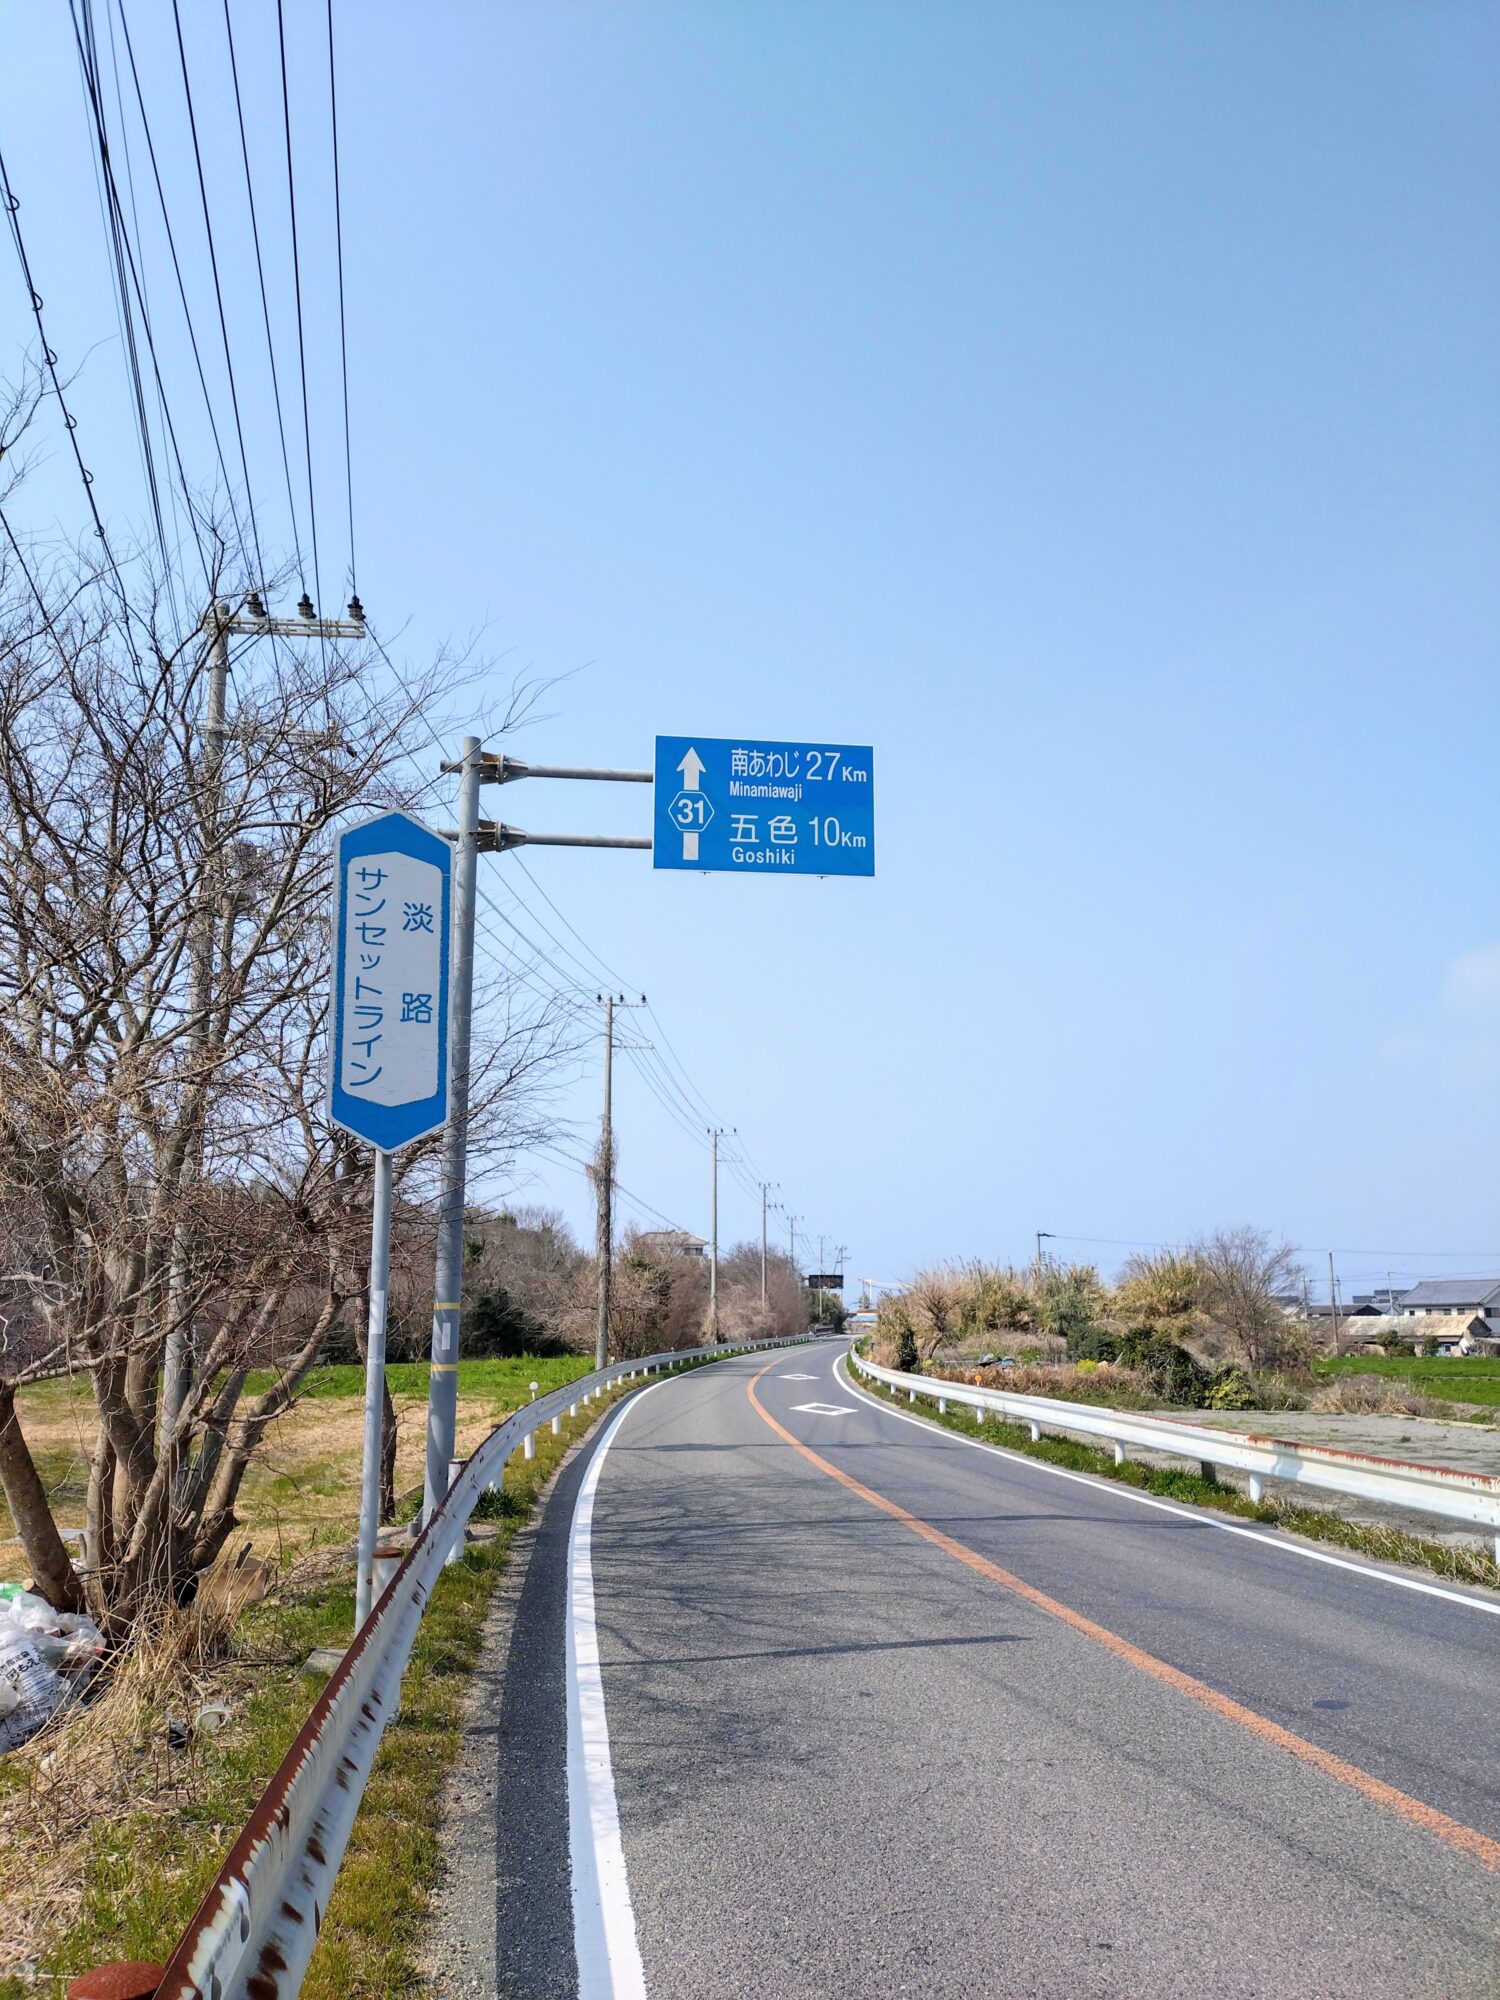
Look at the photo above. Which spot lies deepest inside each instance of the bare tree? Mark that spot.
(169, 1182)
(1242, 1270)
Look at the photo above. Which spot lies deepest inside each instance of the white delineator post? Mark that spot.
(369, 1484)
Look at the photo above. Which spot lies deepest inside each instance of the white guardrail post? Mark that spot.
(1470, 1497)
(254, 1932)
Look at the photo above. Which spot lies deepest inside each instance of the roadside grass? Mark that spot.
(139, 1865)
(1454, 1562)
(1457, 1381)
(508, 1381)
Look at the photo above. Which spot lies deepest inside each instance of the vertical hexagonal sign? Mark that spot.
(392, 904)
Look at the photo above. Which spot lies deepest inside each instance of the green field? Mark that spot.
(507, 1382)
(1454, 1380)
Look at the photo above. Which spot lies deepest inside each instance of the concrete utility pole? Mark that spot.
(220, 623)
(1333, 1303)
(604, 1235)
(716, 1132)
(765, 1191)
(177, 1352)
(442, 1387)
(604, 1244)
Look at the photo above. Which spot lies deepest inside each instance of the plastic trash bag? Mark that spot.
(31, 1692)
(65, 1639)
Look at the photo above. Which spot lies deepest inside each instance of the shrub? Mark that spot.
(1165, 1369)
(1231, 1389)
(1092, 1344)
(907, 1358)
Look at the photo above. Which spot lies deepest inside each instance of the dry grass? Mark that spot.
(1374, 1395)
(101, 1758)
(302, 1492)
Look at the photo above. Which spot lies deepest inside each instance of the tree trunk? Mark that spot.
(26, 1497)
(387, 1455)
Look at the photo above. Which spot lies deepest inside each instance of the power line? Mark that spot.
(170, 561)
(31, 581)
(291, 189)
(113, 219)
(338, 225)
(49, 360)
(187, 311)
(213, 262)
(636, 1201)
(265, 307)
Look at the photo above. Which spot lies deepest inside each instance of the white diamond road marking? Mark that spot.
(825, 1409)
(796, 1378)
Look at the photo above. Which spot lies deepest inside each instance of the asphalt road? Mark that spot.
(895, 1715)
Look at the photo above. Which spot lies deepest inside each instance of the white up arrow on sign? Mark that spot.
(692, 768)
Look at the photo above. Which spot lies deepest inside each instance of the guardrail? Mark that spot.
(1470, 1497)
(254, 1932)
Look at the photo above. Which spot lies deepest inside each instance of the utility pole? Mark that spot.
(442, 1387)
(604, 1245)
(765, 1191)
(715, 1134)
(220, 623)
(604, 1237)
(1333, 1303)
(1047, 1233)
(177, 1352)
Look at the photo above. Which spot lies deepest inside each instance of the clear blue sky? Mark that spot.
(1093, 406)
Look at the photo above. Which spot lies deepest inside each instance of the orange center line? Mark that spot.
(1453, 1833)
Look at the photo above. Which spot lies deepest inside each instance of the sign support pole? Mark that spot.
(442, 1388)
(369, 1485)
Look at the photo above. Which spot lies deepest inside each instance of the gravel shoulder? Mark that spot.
(1418, 1440)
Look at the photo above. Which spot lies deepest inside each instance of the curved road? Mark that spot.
(839, 1704)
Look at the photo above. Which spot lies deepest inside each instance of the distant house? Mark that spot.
(1455, 1298)
(670, 1243)
(1453, 1333)
(1385, 1299)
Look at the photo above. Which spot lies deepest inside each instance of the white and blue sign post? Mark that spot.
(740, 806)
(388, 1077)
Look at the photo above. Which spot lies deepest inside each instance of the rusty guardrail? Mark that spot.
(1470, 1497)
(253, 1934)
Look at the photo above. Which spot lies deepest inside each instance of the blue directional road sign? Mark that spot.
(748, 808)
(388, 1076)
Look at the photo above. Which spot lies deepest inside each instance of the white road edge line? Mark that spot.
(604, 1939)
(1201, 1515)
